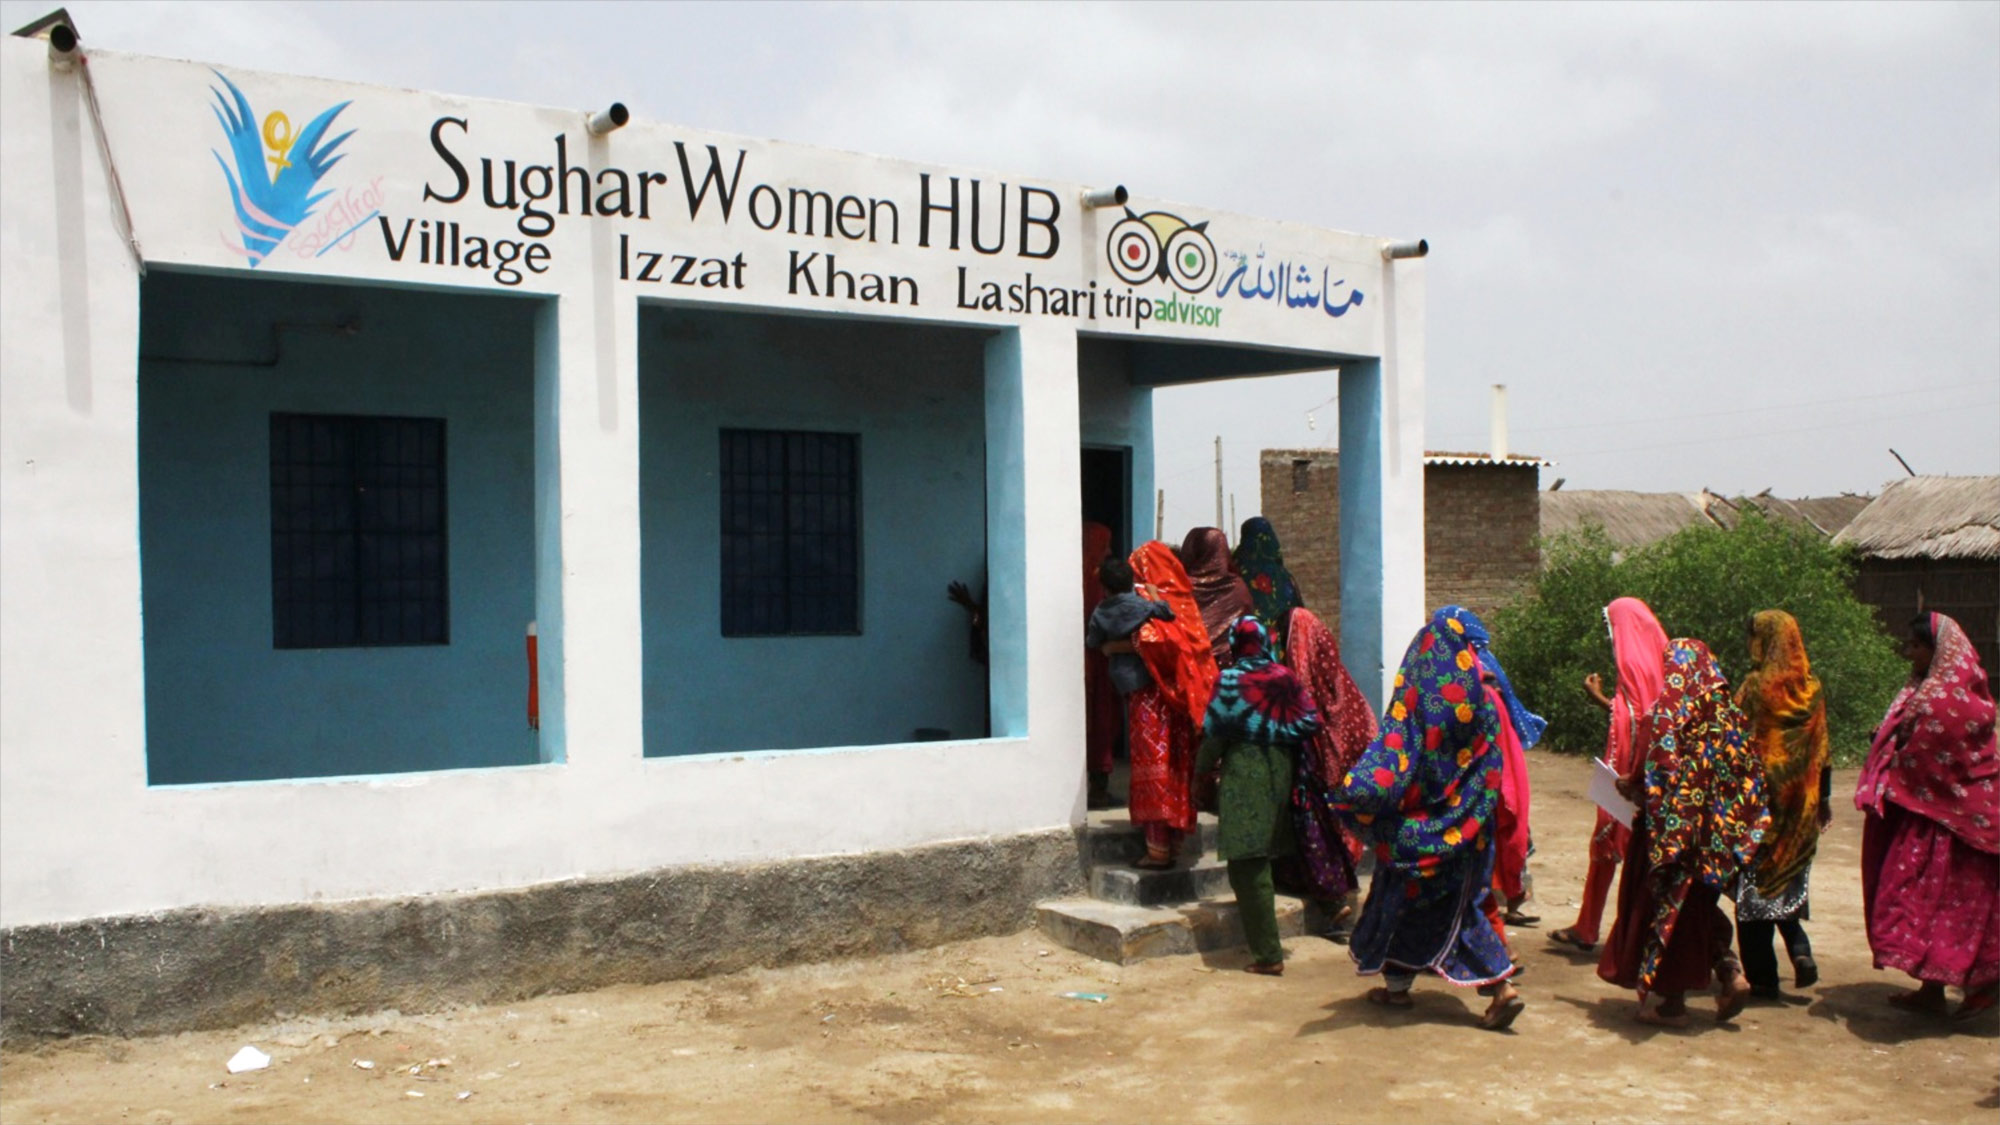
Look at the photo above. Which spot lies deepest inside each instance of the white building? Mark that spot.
(316, 395)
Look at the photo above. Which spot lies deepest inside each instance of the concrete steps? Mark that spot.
(1134, 914)
(1124, 933)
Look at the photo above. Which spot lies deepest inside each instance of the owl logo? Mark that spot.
(1156, 244)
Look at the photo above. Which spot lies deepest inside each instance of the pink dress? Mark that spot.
(1931, 788)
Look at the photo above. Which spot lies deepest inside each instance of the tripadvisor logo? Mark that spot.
(1158, 245)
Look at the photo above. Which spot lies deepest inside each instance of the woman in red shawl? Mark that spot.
(1929, 882)
(1102, 722)
(1165, 718)
(1323, 866)
(1640, 646)
(1217, 587)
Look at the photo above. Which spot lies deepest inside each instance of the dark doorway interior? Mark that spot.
(1107, 492)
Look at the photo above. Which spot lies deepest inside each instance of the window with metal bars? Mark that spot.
(358, 542)
(790, 533)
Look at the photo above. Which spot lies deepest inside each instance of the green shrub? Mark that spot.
(1701, 583)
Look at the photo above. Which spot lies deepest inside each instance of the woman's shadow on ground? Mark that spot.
(1865, 1010)
(1434, 1007)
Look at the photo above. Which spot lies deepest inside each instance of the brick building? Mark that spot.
(1481, 520)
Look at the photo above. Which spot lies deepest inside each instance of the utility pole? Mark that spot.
(1218, 480)
(1232, 517)
(1160, 514)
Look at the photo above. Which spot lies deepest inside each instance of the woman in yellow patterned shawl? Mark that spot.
(1786, 713)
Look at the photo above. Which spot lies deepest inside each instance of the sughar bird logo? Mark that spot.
(1157, 244)
(273, 170)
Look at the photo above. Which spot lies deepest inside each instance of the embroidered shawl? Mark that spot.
(1426, 788)
(1934, 753)
(1273, 593)
(1258, 699)
(1176, 652)
(1785, 715)
(1347, 722)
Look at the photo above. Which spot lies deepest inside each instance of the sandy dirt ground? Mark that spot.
(979, 1031)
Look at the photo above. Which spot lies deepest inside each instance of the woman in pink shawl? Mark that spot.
(1929, 881)
(1217, 587)
(1640, 646)
(1323, 866)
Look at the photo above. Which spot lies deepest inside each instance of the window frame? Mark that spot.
(359, 530)
(739, 498)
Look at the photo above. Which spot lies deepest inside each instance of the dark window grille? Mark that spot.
(1301, 475)
(358, 544)
(790, 533)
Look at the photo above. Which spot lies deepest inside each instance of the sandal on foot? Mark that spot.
(1151, 862)
(1805, 972)
(1729, 1000)
(1262, 969)
(1390, 998)
(1516, 918)
(1657, 1018)
(1502, 1014)
(1976, 1004)
(1567, 936)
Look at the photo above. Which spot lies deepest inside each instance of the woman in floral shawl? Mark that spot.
(1786, 716)
(1931, 789)
(1424, 794)
(1323, 866)
(1640, 648)
(1700, 788)
(1217, 587)
(1273, 594)
(1163, 718)
(1255, 723)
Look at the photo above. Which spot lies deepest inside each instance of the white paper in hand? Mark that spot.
(1604, 790)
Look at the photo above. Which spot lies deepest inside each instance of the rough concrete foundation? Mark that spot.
(207, 968)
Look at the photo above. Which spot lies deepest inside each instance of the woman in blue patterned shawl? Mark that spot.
(1259, 715)
(1426, 793)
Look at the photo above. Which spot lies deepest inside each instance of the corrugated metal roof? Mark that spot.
(1513, 461)
(1930, 518)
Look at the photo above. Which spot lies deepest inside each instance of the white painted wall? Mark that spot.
(81, 834)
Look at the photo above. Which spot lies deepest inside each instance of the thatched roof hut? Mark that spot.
(1636, 519)
(1933, 543)
(1930, 518)
(1631, 519)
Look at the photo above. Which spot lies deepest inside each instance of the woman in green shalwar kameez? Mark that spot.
(1259, 715)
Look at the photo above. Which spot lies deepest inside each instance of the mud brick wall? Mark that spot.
(1301, 492)
(1480, 524)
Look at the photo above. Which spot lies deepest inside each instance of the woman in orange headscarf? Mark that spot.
(1165, 718)
(1785, 716)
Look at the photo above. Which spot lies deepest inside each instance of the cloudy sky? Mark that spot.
(1733, 246)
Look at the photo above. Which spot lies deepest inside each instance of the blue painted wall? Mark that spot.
(916, 396)
(1361, 559)
(1113, 410)
(221, 703)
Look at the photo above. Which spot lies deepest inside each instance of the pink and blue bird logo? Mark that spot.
(273, 171)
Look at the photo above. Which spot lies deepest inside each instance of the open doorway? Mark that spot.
(1107, 492)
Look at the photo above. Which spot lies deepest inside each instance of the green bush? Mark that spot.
(1701, 583)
